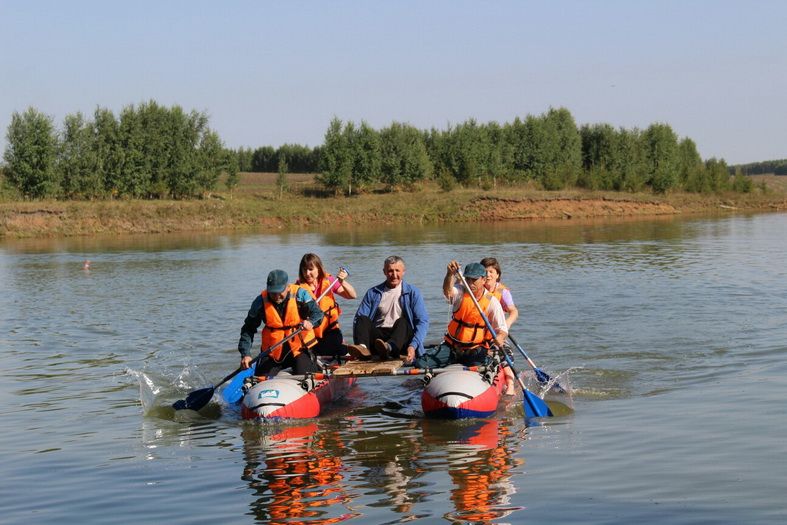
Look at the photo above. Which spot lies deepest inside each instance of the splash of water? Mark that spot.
(148, 390)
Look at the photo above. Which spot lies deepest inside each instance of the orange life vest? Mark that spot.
(328, 305)
(467, 329)
(276, 328)
(499, 287)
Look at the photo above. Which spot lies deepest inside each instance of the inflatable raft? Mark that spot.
(454, 392)
(297, 397)
(285, 395)
(458, 393)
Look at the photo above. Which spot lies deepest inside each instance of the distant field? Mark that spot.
(775, 182)
(262, 180)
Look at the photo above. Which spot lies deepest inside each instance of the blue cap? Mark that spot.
(277, 281)
(474, 271)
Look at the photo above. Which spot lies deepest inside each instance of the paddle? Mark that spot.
(330, 286)
(542, 376)
(534, 405)
(199, 398)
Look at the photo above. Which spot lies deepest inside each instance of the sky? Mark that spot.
(270, 73)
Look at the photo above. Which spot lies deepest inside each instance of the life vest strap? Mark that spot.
(467, 325)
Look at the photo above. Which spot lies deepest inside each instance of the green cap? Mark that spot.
(277, 281)
(474, 271)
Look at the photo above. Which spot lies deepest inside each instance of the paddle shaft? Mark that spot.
(262, 354)
(542, 376)
(328, 289)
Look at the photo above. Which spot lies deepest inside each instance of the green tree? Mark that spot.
(404, 157)
(161, 148)
(337, 159)
(518, 142)
(186, 169)
(213, 159)
(661, 154)
(31, 154)
(297, 157)
(107, 150)
(244, 159)
(689, 164)
(281, 178)
(741, 183)
(78, 161)
(717, 175)
(134, 173)
(561, 153)
(231, 163)
(599, 147)
(499, 160)
(367, 156)
(629, 160)
(263, 160)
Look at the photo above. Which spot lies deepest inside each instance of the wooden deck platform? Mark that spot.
(368, 368)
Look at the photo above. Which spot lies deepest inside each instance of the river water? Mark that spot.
(672, 334)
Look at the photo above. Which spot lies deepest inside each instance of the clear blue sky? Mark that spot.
(269, 73)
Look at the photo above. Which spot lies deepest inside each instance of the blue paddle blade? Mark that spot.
(544, 378)
(535, 406)
(233, 392)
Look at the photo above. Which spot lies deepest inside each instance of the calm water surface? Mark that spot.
(672, 334)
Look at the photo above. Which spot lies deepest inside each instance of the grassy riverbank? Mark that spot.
(257, 203)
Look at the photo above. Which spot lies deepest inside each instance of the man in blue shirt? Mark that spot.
(392, 317)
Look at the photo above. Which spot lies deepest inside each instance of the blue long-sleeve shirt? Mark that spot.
(413, 307)
(307, 309)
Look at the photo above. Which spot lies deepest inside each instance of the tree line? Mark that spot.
(148, 151)
(776, 167)
(151, 151)
(548, 149)
(267, 159)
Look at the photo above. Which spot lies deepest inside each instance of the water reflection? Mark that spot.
(322, 473)
(585, 231)
(296, 474)
(480, 462)
(552, 231)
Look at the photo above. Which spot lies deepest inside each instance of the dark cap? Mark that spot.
(277, 281)
(474, 271)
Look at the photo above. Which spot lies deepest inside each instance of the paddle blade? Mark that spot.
(535, 406)
(195, 400)
(544, 379)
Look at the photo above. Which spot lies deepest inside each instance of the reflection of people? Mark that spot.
(480, 462)
(482, 486)
(313, 278)
(391, 466)
(467, 339)
(283, 308)
(393, 316)
(503, 294)
(296, 474)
